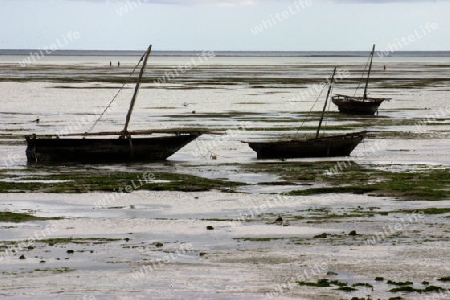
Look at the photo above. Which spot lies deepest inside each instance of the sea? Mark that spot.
(228, 53)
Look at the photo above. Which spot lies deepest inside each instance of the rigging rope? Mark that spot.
(115, 96)
(362, 76)
(309, 113)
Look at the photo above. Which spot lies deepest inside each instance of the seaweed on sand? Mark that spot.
(6, 216)
(429, 184)
(90, 181)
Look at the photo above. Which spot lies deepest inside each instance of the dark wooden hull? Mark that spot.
(331, 146)
(97, 150)
(357, 105)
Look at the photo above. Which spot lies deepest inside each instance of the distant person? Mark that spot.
(110, 63)
(385, 67)
(118, 64)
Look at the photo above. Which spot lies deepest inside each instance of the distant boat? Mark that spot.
(359, 105)
(126, 147)
(328, 146)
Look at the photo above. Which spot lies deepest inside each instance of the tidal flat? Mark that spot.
(212, 221)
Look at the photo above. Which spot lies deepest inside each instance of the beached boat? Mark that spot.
(359, 105)
(327, 146)
(113, 146)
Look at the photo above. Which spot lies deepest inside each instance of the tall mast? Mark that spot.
(368, 73)
(326, 102)
(136, 90)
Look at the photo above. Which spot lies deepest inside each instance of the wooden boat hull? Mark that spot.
(356, 105)
(331, 146)
(97, 150)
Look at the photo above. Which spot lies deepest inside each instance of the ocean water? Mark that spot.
(229, 53)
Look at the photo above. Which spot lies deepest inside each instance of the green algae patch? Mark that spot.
(333, 190)
(445, 279)
(430, 184)
(7, 216)
(72, 240)
(320, 283)
(342, 286)
(426, 211)
(410, 289)
(106, 181)
(258, 239)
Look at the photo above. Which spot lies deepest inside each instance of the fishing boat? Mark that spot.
(319, 146)
(359, 105)
(114, 146)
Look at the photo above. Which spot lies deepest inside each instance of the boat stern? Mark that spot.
(31, 148)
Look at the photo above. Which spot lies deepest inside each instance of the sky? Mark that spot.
(220, 25)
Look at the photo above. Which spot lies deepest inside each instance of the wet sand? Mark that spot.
(158, 244)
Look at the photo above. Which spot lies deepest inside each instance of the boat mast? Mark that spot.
(326, 102)
(136, 90)
(368, 73)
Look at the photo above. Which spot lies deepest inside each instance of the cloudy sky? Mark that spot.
(284, 25)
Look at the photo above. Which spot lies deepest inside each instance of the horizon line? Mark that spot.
(200, 50)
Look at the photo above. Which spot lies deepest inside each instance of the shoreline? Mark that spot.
(219, 53)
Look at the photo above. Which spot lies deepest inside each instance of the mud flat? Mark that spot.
(213, 222)
(216, 245)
